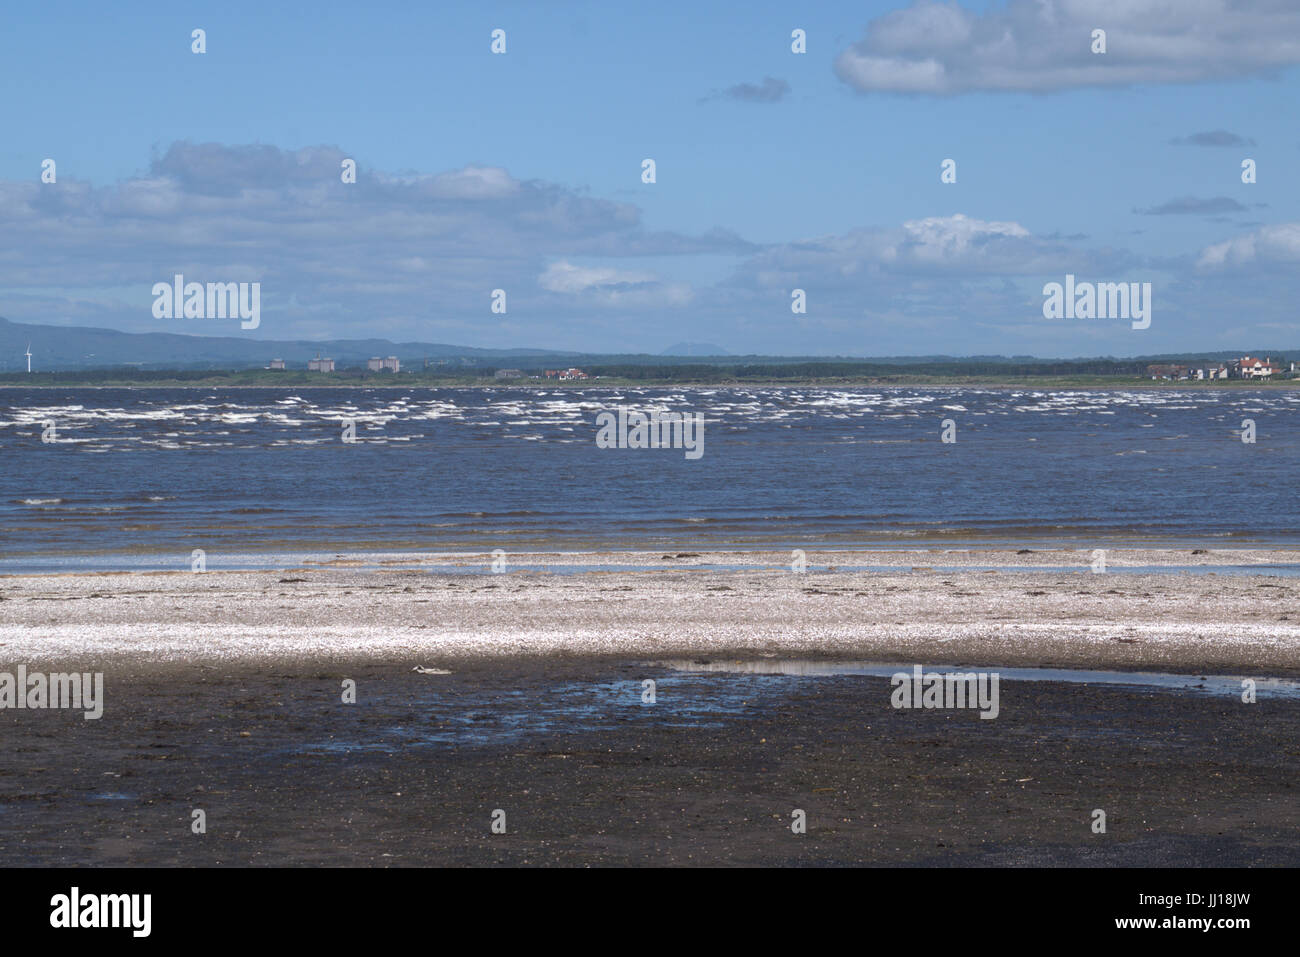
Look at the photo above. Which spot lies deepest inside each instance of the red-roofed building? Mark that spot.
(1253, 367)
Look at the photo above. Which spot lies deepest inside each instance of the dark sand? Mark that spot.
(411, 774)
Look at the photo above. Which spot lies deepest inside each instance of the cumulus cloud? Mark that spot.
(415, 257)
(391, 252)
(937, 246)
(209, 169)
(565, 277)
(474, 182)
(611, 287)
(1277, 245)
(941, 48)
(957, 283)
(946, 239)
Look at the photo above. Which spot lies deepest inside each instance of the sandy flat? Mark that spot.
(590, 776)
(225, 693)
(659, 604)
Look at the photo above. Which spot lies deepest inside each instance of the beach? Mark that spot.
(224, 692)
(1013, 607)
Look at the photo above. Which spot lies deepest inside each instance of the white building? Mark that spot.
(1256, 368)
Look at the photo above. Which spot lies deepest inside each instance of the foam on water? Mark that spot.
(788, 468)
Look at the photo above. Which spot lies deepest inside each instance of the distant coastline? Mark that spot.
(262, 379)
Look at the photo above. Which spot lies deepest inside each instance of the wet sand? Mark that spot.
(412, 773)
(224, 693)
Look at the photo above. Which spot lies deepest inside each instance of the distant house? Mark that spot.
(391, 364)
(1167, 371)
(508, 374)
(276, 364)
(320, 365)
(1253, 367)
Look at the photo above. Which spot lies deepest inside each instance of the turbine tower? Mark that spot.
(29, 357)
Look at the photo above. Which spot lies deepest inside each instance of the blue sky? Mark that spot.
(775, 171)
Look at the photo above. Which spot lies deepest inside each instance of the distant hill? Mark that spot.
(71, 348)
(80, 347)
(695, 349)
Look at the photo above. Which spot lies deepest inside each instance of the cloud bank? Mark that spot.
(941, 48)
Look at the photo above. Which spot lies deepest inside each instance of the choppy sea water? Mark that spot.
(245, 470)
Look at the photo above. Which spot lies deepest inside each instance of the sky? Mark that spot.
(775, 171)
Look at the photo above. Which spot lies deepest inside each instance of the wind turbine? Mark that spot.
(29, 357)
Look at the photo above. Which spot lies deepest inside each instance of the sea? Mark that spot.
(141, 478)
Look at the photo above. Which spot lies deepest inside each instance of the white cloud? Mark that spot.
(1035, 45)
(475, 182)
(940, 239)
(614, 287)
(567, 278)
(1278, 244)
(414, 249)
(938, 245)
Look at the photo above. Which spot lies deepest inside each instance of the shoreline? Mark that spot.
(1027, 555)
(429, 614)
(226, 692)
